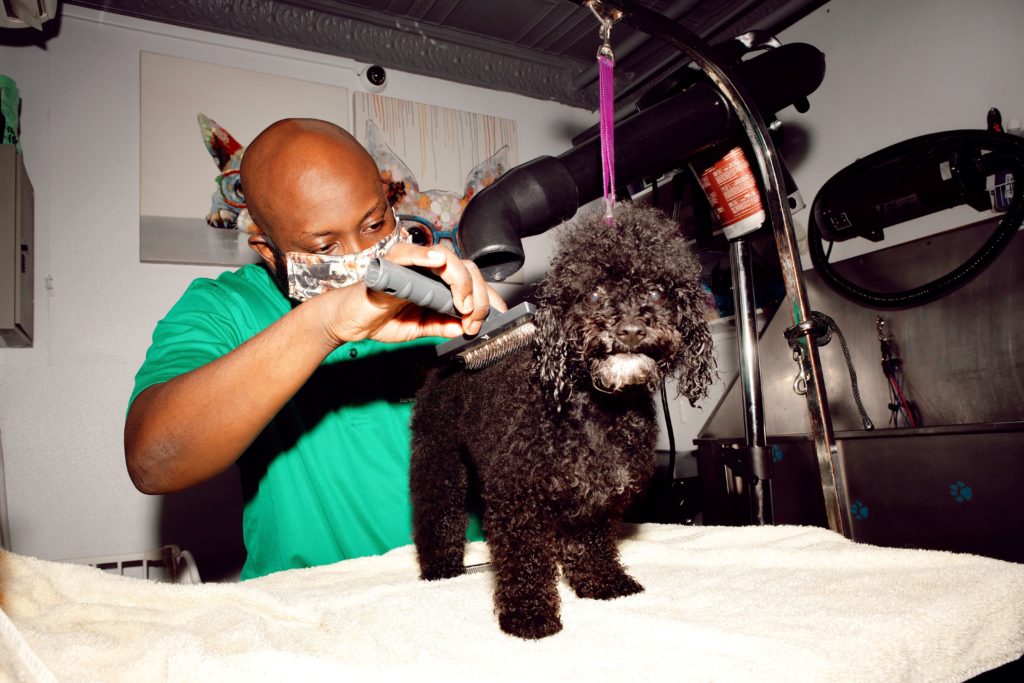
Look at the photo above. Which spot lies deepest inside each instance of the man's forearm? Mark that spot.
(191, 428)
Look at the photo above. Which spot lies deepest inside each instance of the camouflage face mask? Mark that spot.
(312, 274)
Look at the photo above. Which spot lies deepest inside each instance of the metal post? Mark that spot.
(750, 382)
(769, 170)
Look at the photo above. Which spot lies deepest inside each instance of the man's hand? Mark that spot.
(354, 313)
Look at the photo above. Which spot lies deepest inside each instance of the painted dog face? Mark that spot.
(431, 216)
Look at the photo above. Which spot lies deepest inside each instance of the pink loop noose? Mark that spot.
(606, 87)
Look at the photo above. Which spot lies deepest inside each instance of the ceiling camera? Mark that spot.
(374, 78)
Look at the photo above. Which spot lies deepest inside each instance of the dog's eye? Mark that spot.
(655, 296)
(595, 297)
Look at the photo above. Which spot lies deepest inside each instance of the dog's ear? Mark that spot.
(552, 357)
(695, 367)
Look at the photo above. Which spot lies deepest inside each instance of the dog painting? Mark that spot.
(181, 164)
(559, 438)
(434, 213)
(227, 200)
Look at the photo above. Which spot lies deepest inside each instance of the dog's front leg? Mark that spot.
(526, 596)
(591, 562)
(438, 484)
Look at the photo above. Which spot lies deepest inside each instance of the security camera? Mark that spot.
(374, 78)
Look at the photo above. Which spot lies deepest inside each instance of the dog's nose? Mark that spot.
(630, 333)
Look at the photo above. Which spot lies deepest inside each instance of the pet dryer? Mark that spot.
(908, 180)
(539, 194)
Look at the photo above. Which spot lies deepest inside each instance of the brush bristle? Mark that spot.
(499, 348)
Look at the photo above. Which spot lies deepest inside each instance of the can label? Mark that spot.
(732, 192)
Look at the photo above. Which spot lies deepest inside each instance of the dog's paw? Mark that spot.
(596, 587)
(221, 219)
(436, 572)
(529, 626)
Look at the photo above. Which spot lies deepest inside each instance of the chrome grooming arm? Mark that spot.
(804, 330)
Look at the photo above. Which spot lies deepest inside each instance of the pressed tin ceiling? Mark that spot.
(539, 48)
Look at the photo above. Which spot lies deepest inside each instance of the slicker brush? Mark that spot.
(501, 335)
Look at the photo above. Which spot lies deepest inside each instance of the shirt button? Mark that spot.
(352, 353)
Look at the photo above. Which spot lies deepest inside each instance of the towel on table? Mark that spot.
(730, 604)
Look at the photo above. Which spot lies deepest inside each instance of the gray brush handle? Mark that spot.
(390, 278)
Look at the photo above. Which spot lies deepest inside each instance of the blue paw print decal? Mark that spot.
(859, 510)
(776, 454)
(960, 491)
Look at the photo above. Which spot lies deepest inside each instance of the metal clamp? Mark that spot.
(748, 461)
(813, 327)
(607, 17)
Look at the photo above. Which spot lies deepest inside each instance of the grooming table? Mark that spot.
(781, 603)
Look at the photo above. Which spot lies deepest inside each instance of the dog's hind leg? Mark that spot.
(438, 483)
(591, 564)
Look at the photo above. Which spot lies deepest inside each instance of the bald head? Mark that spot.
(296, 164)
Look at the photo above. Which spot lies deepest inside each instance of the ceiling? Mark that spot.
(540, 48)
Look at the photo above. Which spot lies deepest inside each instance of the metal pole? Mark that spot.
(750, 380)
(777, 208)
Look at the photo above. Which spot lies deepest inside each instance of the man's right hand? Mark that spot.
(354, 313)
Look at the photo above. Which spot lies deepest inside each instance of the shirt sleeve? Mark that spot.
(198, 329)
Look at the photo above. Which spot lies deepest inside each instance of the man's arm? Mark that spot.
(190, 428)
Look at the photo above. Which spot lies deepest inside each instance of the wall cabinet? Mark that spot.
(16, 250)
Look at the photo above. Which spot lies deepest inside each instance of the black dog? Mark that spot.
(560, 437)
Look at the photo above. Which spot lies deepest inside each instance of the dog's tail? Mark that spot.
(501, 335)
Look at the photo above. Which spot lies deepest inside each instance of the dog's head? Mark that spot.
(622, 305)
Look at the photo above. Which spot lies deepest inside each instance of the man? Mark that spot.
(311, 400)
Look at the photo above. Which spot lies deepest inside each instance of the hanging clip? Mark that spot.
(800, 381)
(606, 91)
(606, 17)
(881, 324)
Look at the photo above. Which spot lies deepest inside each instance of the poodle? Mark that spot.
(558, 438)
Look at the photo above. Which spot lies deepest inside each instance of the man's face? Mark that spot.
(329, 200)
(335, 214)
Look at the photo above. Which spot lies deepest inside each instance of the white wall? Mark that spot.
(62, 402)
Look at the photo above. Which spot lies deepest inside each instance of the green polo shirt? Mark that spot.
(327, 479)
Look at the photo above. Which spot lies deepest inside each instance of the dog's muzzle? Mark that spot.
(620, 370)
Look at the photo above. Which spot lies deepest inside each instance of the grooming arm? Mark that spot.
(770, 171)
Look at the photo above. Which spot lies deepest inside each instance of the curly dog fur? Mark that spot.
(568, 426)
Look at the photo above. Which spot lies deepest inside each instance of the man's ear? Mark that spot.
(258, 240)
(260, 244)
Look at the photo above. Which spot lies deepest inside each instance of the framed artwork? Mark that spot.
(433, 159)
(195, 121)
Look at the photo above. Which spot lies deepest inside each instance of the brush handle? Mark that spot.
(390, 278)
(473, 352)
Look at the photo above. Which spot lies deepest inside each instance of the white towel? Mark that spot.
(721, 604)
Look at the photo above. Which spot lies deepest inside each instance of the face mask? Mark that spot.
(312, 274)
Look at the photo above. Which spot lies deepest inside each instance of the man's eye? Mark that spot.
(322, 249)
(374, 227)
